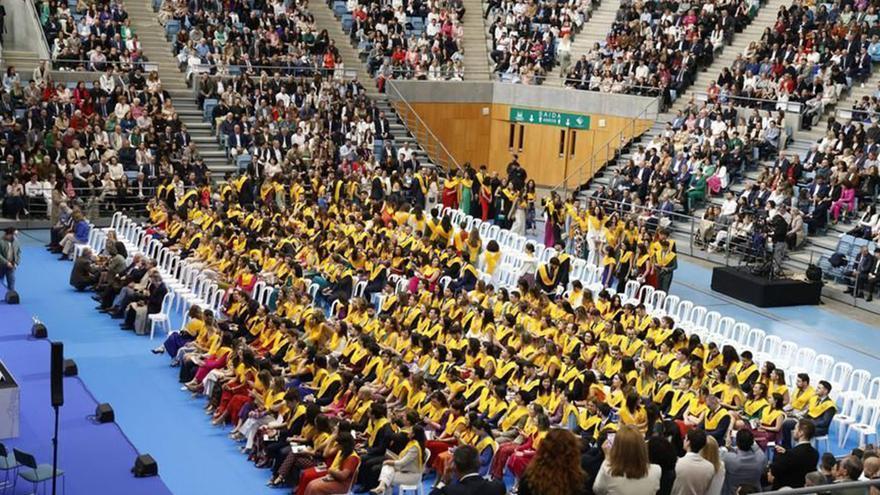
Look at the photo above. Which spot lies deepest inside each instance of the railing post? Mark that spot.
(692, 235)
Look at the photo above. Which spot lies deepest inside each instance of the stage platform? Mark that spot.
(95, 458)
(763, 292)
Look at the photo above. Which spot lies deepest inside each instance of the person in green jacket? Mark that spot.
(696, 190)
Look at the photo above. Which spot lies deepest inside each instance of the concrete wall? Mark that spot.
(23, 30)
(558, 99)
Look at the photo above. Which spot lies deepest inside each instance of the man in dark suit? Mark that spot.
(864, 265)
(84, 273)
(132, 274)
(468, 481)
(790, 467)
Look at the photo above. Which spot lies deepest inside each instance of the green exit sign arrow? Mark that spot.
(544, 117)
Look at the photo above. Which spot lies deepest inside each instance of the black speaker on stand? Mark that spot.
(57, 392)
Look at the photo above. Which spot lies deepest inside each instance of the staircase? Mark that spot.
(859, 90)
(475, 44)
(158, 50)
(766, 18)
(24, 61)
(594, 31)
(325, 19)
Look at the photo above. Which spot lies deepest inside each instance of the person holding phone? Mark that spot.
(626, 470)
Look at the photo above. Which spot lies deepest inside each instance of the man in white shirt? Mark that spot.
(693, 474)
(728, 207)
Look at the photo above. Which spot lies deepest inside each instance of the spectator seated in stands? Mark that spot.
(657, 50)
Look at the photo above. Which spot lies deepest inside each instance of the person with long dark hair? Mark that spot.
(406, 467)
(340, 474)
(556, 467)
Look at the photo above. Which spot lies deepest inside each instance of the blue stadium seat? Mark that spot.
(171, 29)
(347, 22)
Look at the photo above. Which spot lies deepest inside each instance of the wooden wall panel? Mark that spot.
(471, 136)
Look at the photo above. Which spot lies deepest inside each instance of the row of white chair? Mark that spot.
(855, 390)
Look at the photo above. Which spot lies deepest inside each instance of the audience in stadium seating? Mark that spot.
(657, 50)
(527, 39)
(811, 56)
(102, 144)
(96, 37)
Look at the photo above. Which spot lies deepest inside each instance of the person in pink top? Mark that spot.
(847, 200)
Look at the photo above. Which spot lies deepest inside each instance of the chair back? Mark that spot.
(25, 459)
(166, 303)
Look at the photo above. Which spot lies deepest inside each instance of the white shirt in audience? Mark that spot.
(606, 484)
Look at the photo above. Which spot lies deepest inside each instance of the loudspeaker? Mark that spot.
(104, 413)
(38, 331)
(145, 466)
(12, 297)
(70, 368)
(57, 373)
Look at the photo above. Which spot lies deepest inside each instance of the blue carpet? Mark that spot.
(118, 367)
(94, 457)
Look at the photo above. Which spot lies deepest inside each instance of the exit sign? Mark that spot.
(544, 117)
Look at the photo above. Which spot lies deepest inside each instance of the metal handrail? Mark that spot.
(53, 62)
(433, 142)
(270, 69)
(831, 488)
(47, 48)
(620, 138)
(790, 106)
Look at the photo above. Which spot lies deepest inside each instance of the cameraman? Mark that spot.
(778, 227)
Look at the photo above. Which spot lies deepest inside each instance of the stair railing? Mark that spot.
(607, 151)
(426, 138)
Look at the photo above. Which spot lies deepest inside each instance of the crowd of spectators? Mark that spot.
(94, 36)
(811, 55)
(231, 37)
(656, 49)
(397, 47)
(104, 144)
(529, 38)
(703, 150)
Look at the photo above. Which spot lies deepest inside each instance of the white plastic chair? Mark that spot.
(785, 355)
(768, 349)
(358, 290)
(416, 489)
(630, 292)
(683, 311)
(739, 332)
(646, 293)
(867, 425)
(873, 389)
(839, 376)
(724, 327)
(821, 366)
(656, 303)
(849, 403)
(711, 321)
(803, 360)
(698, 316)
(857, 381)
(670, 303)
(161, 318)
(755, 338)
